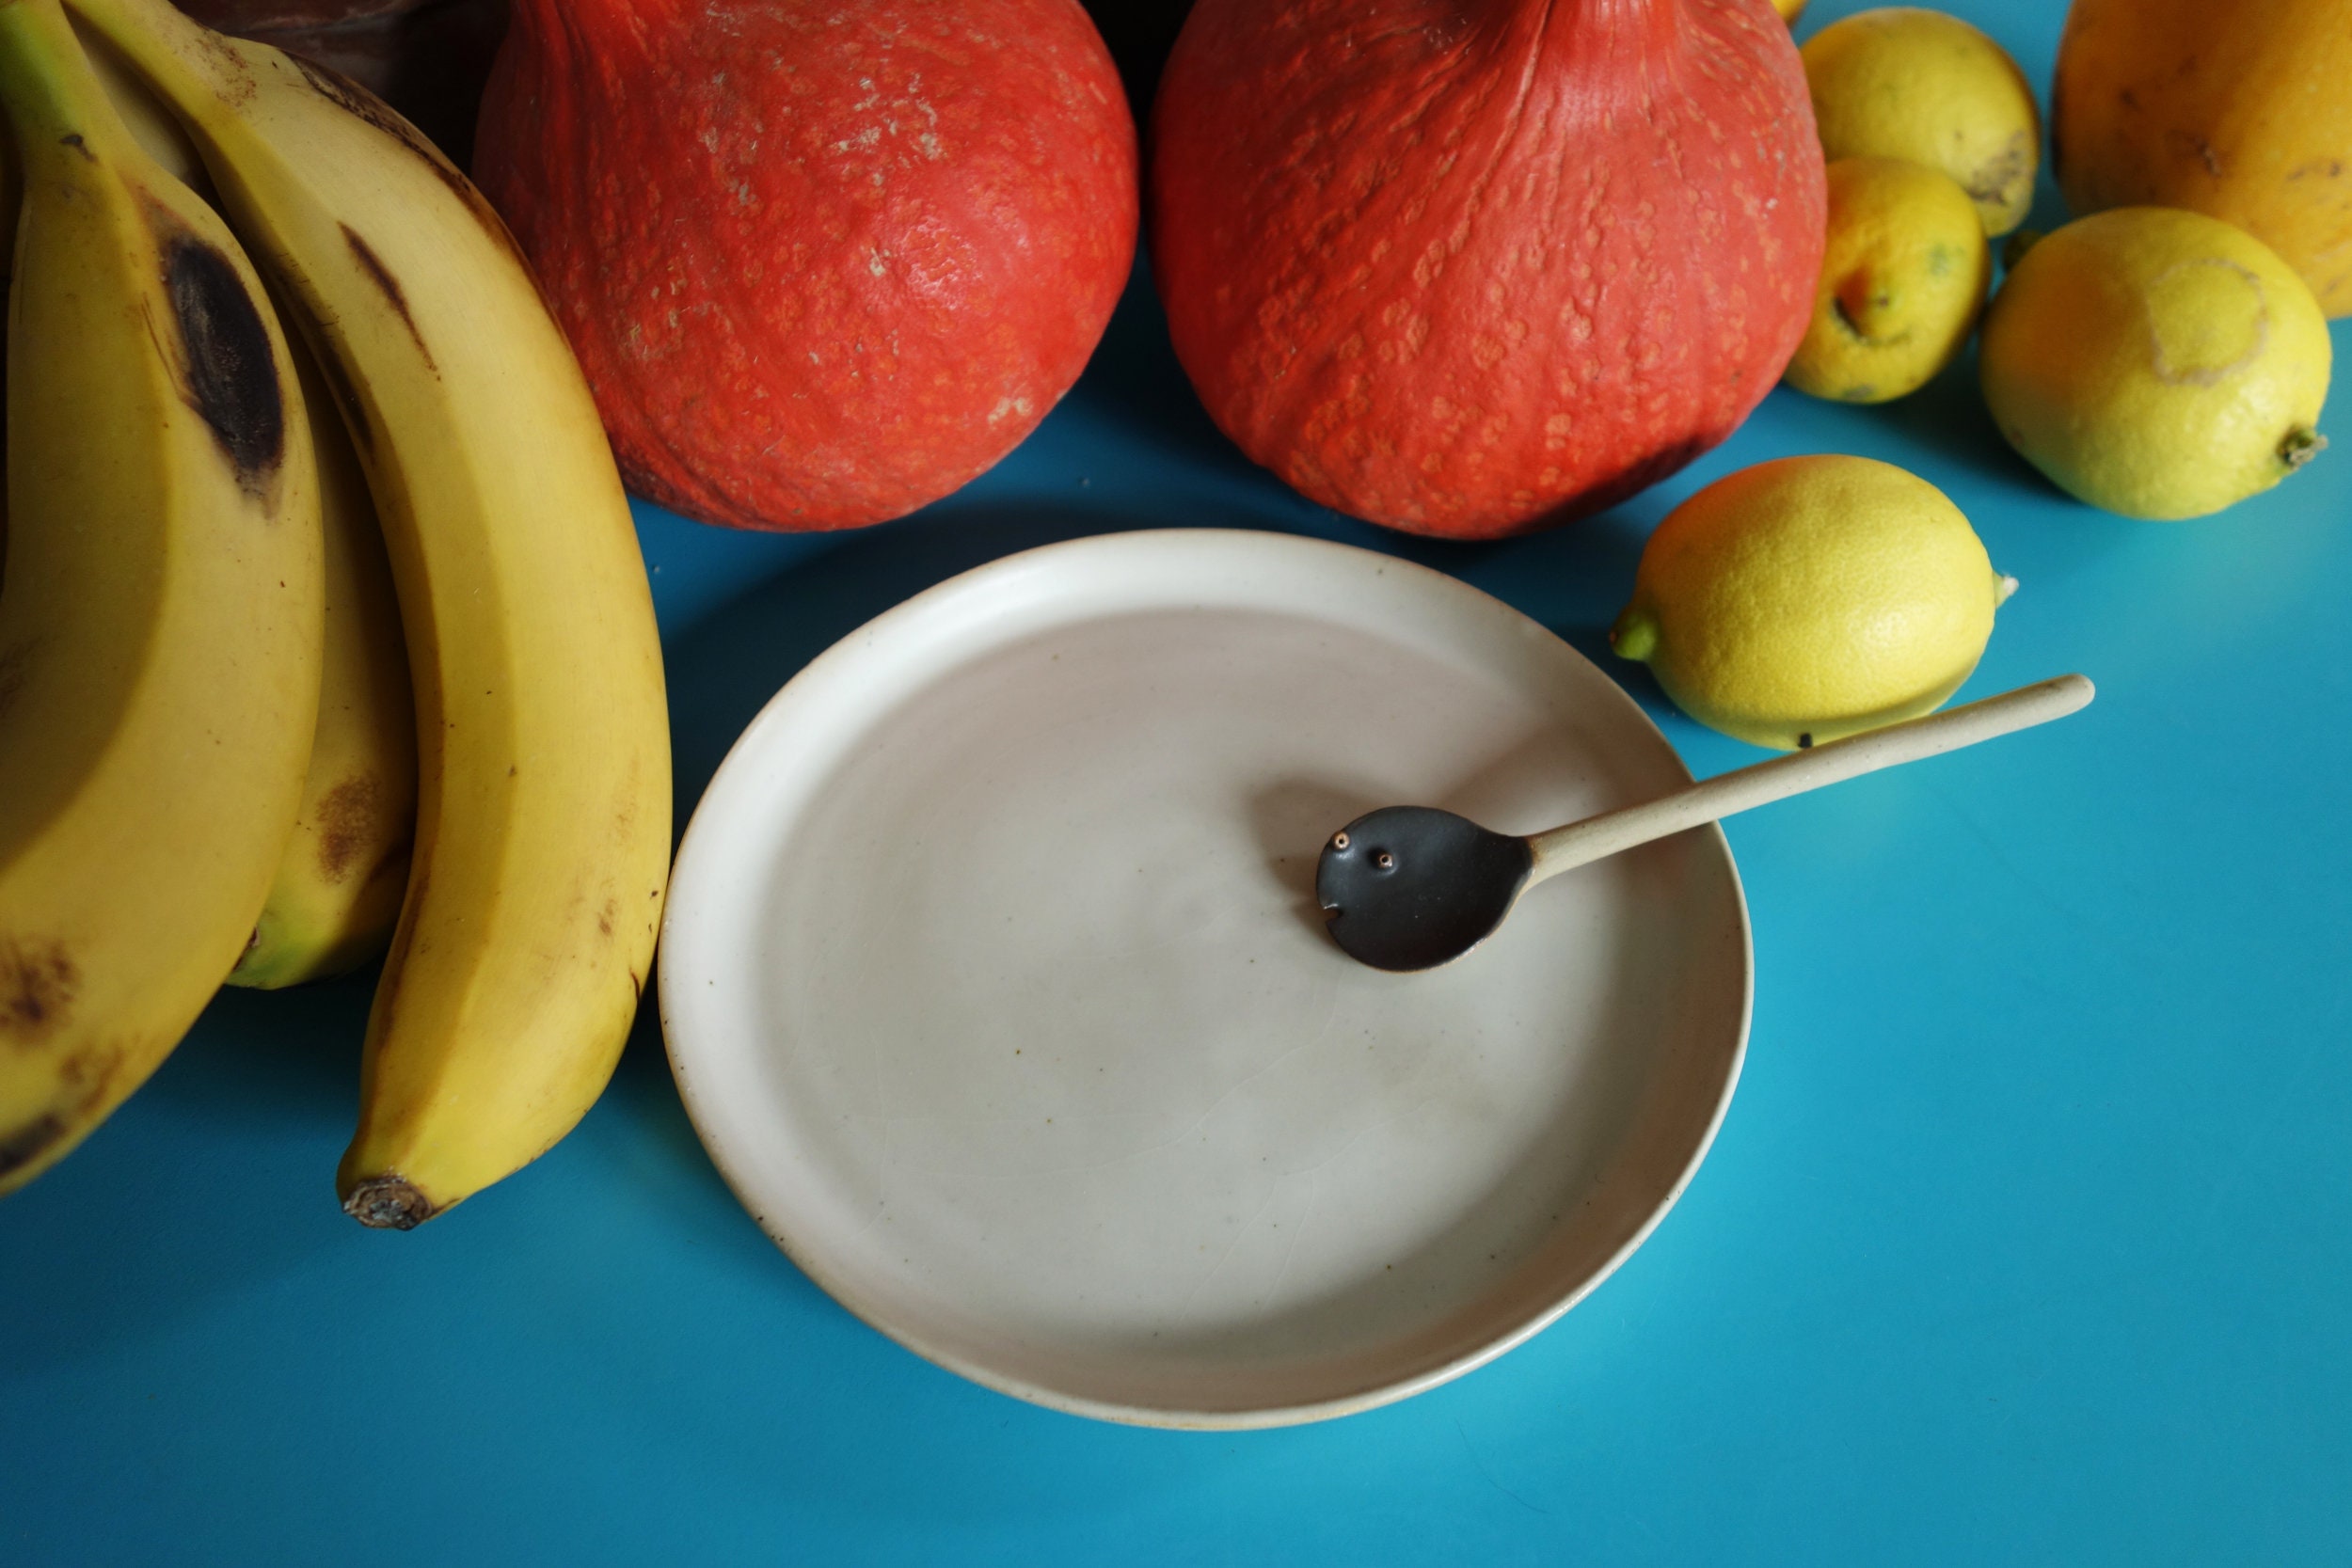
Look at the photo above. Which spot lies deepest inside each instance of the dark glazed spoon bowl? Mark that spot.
(1409, 887)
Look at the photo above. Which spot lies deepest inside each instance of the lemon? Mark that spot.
(2157, 363)
(1901, 281)
(1810, 597)
(1789, 9)
(1905, 82)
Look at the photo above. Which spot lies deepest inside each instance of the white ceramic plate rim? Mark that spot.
(705, 840)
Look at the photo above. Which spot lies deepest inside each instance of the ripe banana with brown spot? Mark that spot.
(160, 614)
(543, 820)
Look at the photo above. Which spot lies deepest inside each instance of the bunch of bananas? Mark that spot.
(293, 618)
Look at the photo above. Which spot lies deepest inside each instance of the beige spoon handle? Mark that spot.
(1712, 799)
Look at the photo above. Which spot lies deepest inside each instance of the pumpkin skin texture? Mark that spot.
(823, 260)
(2238, 111)
(1469, 268)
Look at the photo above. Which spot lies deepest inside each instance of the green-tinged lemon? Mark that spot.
(1901, 81)
(2157, 363)
(1811, 597)
(1901, 281)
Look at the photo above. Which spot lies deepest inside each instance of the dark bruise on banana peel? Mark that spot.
(89, 1078)
(37, 986)
(25, 1143)
(227, 373)
(230, 375)
(390, 287)
(348, 818)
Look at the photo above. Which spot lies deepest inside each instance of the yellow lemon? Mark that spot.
(1901, 281)
(1905, 82)
(1810, 597)
(2157, 363)
(1789, 9)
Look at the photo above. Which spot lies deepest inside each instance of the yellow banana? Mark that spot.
(337, 895)
(543, 821)
(160, 621)
(339, 885)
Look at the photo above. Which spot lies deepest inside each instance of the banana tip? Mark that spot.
(389, 1203)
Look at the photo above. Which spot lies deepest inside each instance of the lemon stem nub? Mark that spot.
(1634, 636)
(2301, 445)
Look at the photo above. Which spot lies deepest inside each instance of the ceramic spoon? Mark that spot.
(1412, 887)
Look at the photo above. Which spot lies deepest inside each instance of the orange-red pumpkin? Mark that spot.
(1472, 267)
(823, 260)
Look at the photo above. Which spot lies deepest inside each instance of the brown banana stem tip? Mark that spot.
(389, 1203)
(2301, 445)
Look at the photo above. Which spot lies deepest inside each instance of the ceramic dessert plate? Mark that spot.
(994, 981)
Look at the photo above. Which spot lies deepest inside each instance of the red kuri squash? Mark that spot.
(823, 260)
(1471, 267)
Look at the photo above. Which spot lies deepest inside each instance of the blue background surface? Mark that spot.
(2025, 1239)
